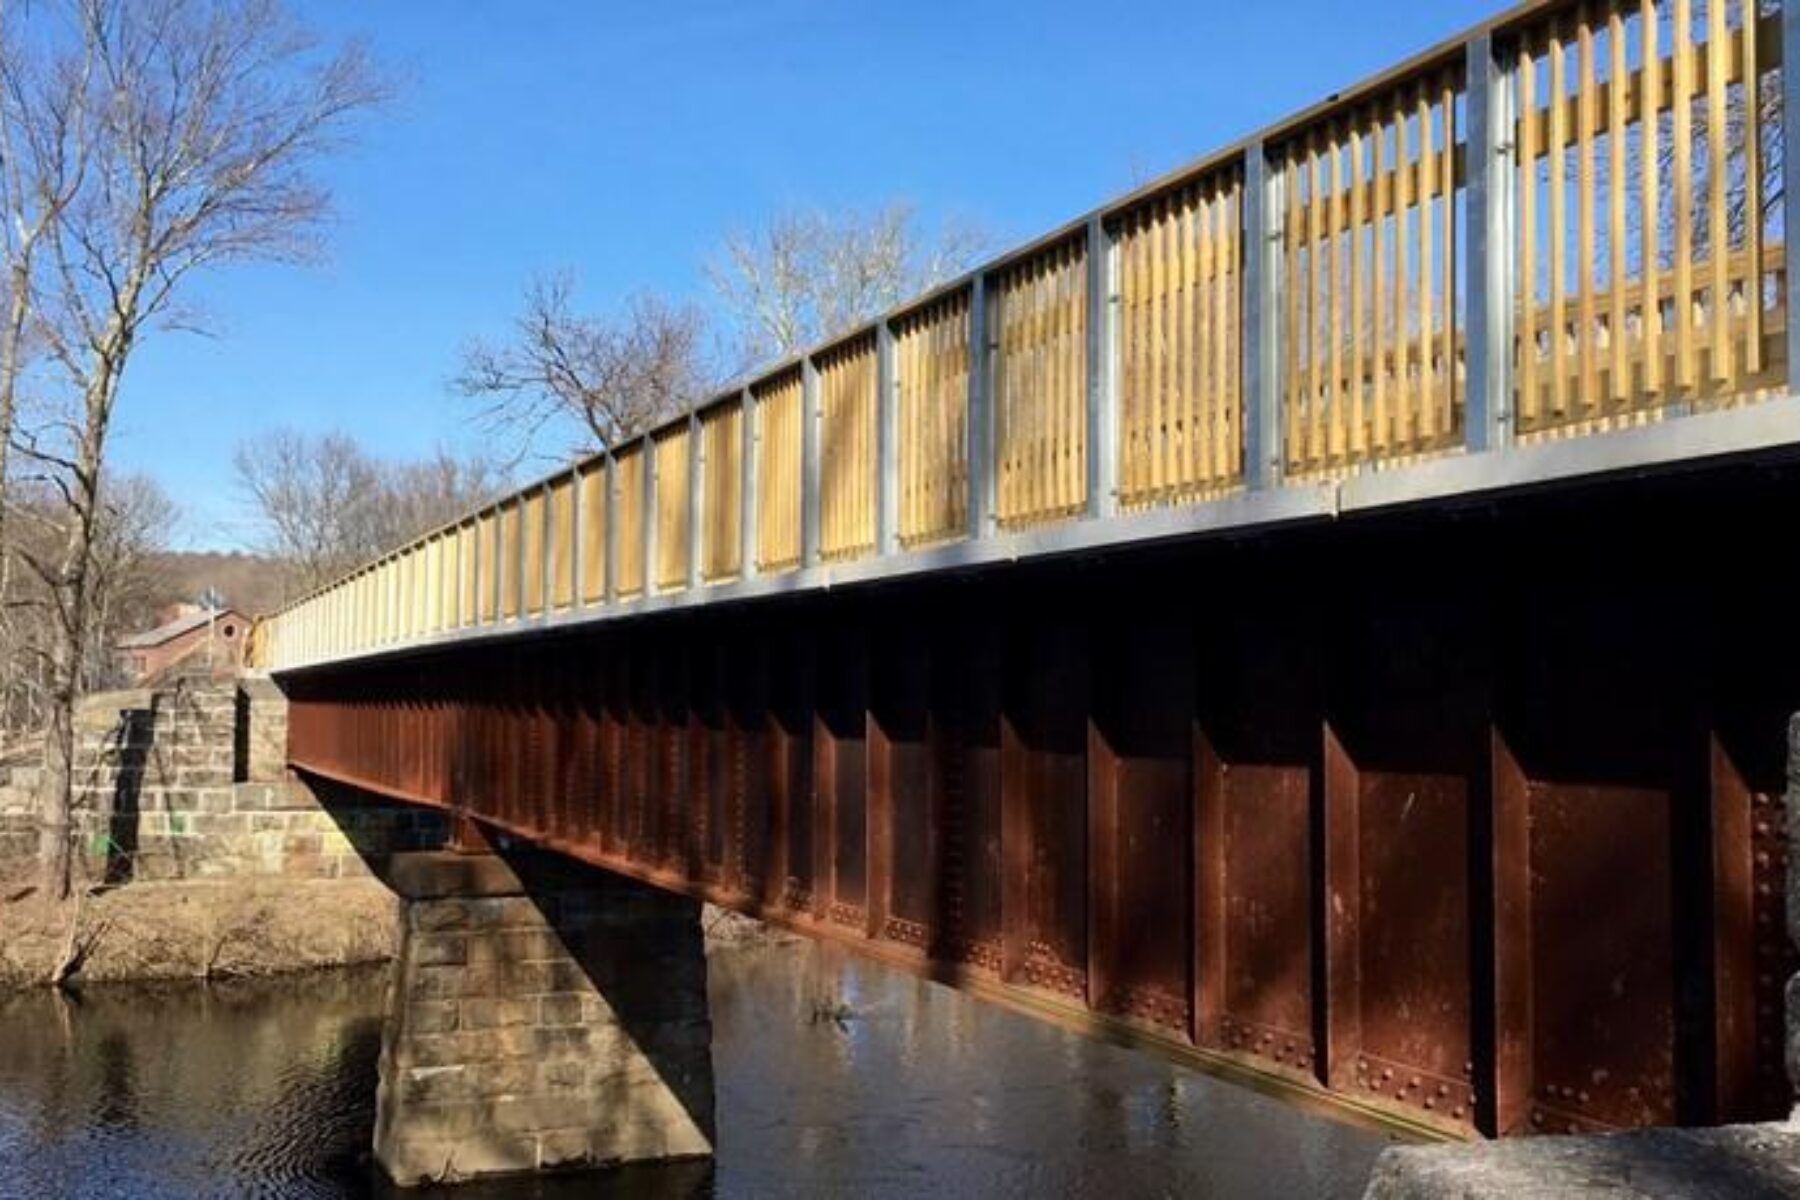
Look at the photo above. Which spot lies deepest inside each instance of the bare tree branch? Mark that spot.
(805, 276)
(612, 377)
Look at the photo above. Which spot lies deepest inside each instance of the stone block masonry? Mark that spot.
(544, 1016)
(190, 782)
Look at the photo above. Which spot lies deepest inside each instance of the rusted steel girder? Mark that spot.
(1446, 821)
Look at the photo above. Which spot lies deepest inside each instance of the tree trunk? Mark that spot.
(56, 837)
(12, 350)
(70, 610)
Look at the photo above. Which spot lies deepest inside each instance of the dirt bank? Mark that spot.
(202, 929)
(197, 929)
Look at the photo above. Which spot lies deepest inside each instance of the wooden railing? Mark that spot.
(1523, 234)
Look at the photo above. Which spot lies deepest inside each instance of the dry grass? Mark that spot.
(196, 929)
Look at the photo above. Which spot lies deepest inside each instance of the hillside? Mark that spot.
(250, 583)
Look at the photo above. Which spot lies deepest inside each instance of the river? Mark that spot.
(266, 1088)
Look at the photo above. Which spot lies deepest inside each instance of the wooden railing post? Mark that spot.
(578, 486)
(610, 547)
(1790, 146)
(1262, 325)
(647, 448)
(812, 473)
(747, 526)
(1491, 198)
(1102, 394)
(887, 444)
(696, 497)
(546, 553)
(980, 413)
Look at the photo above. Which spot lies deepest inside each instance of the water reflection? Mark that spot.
(835, 1078)
(179, 1090)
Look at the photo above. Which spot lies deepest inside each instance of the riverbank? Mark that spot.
(201, 929)
(196, 929)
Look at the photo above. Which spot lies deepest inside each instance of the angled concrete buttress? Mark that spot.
(544, 1016)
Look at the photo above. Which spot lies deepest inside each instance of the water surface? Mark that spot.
(835, 1077)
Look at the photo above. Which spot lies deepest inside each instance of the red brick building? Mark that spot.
(187, 631)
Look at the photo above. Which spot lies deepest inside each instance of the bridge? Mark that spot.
(1318, 615)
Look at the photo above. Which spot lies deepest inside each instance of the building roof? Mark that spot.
(174, 629)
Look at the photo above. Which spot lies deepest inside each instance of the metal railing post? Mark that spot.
(747, 514)
(812, 472)
(648, 500)
(1491, 197)
(1262, 326)
(696, 497)
(1102, 394)
(980, 413)
(887, 444)
(1790, 147)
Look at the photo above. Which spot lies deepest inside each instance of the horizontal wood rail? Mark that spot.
(1568, 221)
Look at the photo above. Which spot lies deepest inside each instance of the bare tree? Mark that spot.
(43, 160)
(805, 276)
(125, 586)
(198, 124)
(325, 505)
(611, 376)
(312, 497)
(417, 497)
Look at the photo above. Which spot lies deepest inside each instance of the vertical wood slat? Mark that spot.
(932, 349)
(778, 447)
(1427, 195)
(1753, 190)
(561, 536)
(847, 438)
(593, 532)
(1639, 320)
(1041, 387)
(1559, 224)
(1321, 292)
(1373, 299)
(1718, 240)
(674, 522)
(1617, 180)
(1382, 201)
(1180, 391)
(721, 435)
(1403, 412)
(507, 557)
(1293, 344)
(1650, 194)
(466, 581)
(1586, 185)
(629, 469)
(1449, 395)
(1356, 436)
(1682, 186)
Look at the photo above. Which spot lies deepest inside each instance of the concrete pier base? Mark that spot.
(544, 1016)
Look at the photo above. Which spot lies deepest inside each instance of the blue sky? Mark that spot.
(622, 140)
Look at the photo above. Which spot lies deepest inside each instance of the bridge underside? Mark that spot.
(1472, 818)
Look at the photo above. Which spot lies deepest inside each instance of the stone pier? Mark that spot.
(544, 1016)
